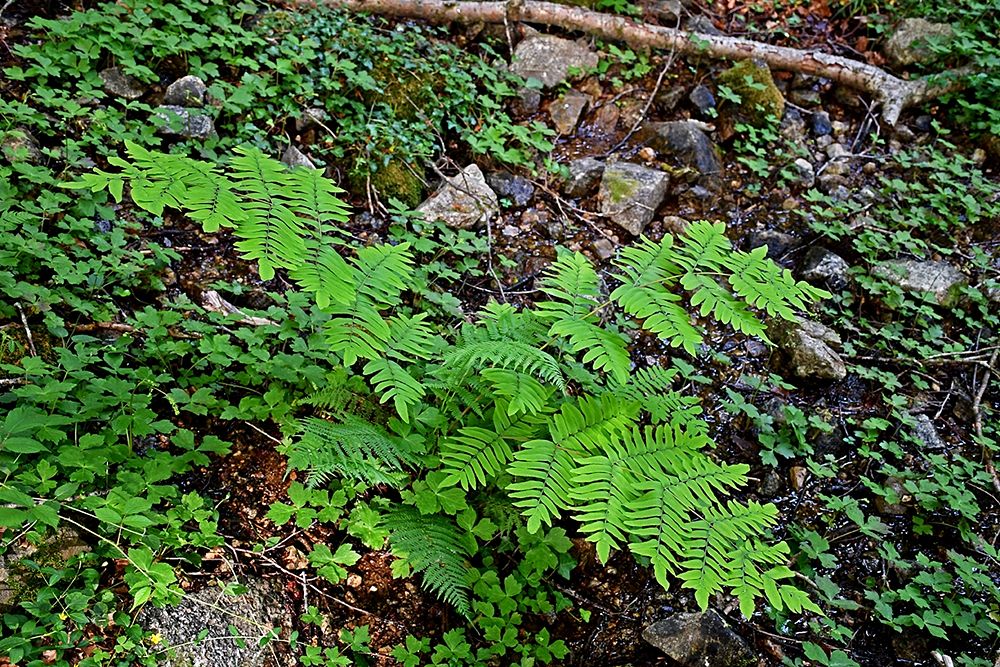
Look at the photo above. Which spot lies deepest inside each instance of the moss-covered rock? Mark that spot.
(19, 581)
(760, 100)
(395, 180)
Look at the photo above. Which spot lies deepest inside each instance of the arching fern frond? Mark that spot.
(476, 455)
(433, 546)
(543, 471)
(653, 389)
(520, 391)
(391, 382)
(354, 449)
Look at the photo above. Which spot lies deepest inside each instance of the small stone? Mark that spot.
(646, 154)
(760, 100)
(666, 11)
(804, 174)
(566, 111)
(668, 99)
(896, 502)
(187, 91)
(510, 231)
(978, 156)
(604, 248)
(835, 151)
(631, 193)
(354, 581)
(120, 84)
(909, 42)
(293, 157)
(793, 126)
(806, 98)
(820, 122)
(790, 204)
(463, 201)
(808, 347)
(771, 485)
(675, 225)
(185, 122)
(926, 433)
(823, 267)
(550, 59)
(797, 477)
(702, 99)
(840, 130)
(869, 168)
(838, 168)
(940, 280)
(584, 175)
(515, 188)
(778, 243)
(686, 143)
(699, 639)
(311, 117)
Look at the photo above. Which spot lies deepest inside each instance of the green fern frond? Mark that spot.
(543, 470)
(476, 455)
(653, 389)
(382, 273)
(360, 333)
(522, 392)
(767, 286)
(391, 382)
(585, 425)
(353, 448)
(433, 546)
(271, 233)
(412, 338)
(603, 488)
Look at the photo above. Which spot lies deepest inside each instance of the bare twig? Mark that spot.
(24, 321)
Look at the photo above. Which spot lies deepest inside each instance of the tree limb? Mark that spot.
(893, 93)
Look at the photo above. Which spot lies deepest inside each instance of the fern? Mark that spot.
(652, 388)
(476, 455)
(573, 284)
(353, 448)
(433, 546)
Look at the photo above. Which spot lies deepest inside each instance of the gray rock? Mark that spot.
(519, 190)
(807, 346)
(821, 125)
(527, 101)
(120, 84)
(805, 98)
(667, 11)
(702, 98)
(926, 433)
(836, 151)
(311, 117)
(20, 146)
(464, 201)
(566, 111)
(668, 99)
(293, 157)
(17, 581)
(823, 267)
(688, 145)
(630, 194)
(908, 43)
(778, 243)
(185, 122)
(803, 172)
(187, 91)
(550, 59)
(254, 614)
(700, 639)
(897, 507)
(793, 126)
(703, 24)
(940, 279)
(604, 248)
(584, 175)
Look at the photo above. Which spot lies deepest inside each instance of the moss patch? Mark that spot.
(397, 179)
(619, 188)
(760, 100)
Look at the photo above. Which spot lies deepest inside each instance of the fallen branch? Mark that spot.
(893, 93)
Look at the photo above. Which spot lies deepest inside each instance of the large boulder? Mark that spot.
(809, 349)
(685, 143)
(699, 639)
(909, 42)
(185, 122)
(253, 614)
(463, 201)
(631, 193)
(941, 280)
(187, 91)
(550, 59)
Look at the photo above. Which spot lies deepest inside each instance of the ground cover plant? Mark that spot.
(495, 445)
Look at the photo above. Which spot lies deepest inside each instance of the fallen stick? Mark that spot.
(893, 93)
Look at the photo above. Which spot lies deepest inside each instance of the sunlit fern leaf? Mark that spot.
(707, 566)
(391, 381)
(271, 234)
(769, 287)
(522, 392)
(14, 220)
(475, 455)
(584, 425)
(382, 272)
(713, 299)
(353, 449)
(472, 354)
(358, 333)
(433, 546)
(603, 349)
(543, 472)
(603, 488)
(412, 338)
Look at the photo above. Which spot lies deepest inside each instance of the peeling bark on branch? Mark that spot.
(893, 93)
